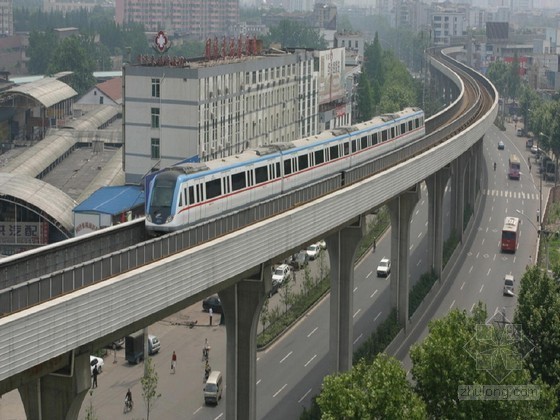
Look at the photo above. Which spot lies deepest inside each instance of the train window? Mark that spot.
(277, 165)
(319, 157)
(181, 198)
(303, 162)
(346, 148)
(374, 138)
(191, 195)
(410, 126)
(287, 167)
(416, 123)
(213, 189)
(393, 132)
(363, 143)
(261, 174)
(384, 135)
(334, 152)
(403, 128)
(238, 181)
(354, 148)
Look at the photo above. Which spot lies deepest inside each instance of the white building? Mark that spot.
(206, 109)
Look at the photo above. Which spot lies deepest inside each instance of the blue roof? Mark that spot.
(112, 200)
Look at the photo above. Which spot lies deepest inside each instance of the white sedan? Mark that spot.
(96, 361)
(313, 251)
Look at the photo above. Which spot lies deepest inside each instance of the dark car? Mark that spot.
(212, 302)
(501, 145)
(300, 260)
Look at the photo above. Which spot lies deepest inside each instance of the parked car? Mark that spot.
(534, 149)
(96, 361)
(300, 260)
(212, 302)
(509, 282)
(313, 251)
(501, 145)
(384, 267)
(529, 143)
(279, 275)
(322, 244)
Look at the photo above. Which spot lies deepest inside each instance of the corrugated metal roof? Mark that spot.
(53, 202)
(48, 91)
(94, 119)
(111, 174)
(112, 200)
(34, 161)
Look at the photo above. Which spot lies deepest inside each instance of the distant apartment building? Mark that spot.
(447, 23)
(6, 18)
(201, 110)
(68, 6)
(196, 18)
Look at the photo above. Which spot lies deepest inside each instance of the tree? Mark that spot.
(538, 313)
(513, 78)
(466, 350)
(378, 390)
(373, 62)
(549, 121)
(149, 386)
(41, 48)
(74, 54)
(364, 101)
(497, 73)
(295, 35)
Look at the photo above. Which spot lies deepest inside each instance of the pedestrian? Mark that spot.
(538, 215)
(530, 261)
(173, 362)
(210, 312)
(529, 164)
(95, 373)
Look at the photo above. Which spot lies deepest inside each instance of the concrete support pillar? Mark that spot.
(342, 247)
(436, 188)
(400, 209)
(458, 196)
(58, 395)
(242, 304)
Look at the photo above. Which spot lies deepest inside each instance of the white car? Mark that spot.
(280, 273)
(96, 361)
(509, 283)
(384, 267)
(313, 251)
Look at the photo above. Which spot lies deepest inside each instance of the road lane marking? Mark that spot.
(481, 287)
(477, 254)
(355, 288)
(312, 332)
(471, 269)
(369, 274)
(463, 285)
(304, 395)
(472, 307)
(452, 303)
(410, 248)
(356, 340)
(279, 391)
(373, 294)
(418, 263)
(494, 259)
(286, 356)
(420, 234)
(259, 381)
(197, 410)
(378, 315)
(482, 241)
(310, 360)
(489, 270)
(356, 313)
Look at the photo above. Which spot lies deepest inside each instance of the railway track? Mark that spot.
(32, 280)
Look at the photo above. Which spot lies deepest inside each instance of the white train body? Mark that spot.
(185, 194)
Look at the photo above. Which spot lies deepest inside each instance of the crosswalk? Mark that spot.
(512, 194)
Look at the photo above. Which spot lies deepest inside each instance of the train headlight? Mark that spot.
(169, 219)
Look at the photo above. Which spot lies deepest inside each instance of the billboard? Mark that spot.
(331, 77)
(24, 233)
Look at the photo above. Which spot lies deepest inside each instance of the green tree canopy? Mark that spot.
(42, 46)
(74, 54)
(293, 34)
(365, 101)
(466, 350)
(370, 391)
(498, 75)
(538, 313)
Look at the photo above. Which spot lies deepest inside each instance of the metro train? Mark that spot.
(184, 194)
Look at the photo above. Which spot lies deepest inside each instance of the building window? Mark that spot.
(155, 88)
(155, 117)
(155, 148)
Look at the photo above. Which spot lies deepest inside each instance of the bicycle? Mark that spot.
(128, 404)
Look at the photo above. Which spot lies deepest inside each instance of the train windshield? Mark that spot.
(162, 194)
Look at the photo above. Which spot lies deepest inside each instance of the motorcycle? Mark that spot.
(127, 405)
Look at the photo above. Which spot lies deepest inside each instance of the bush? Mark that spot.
(420, 290)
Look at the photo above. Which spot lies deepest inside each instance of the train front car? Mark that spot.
(161, 205)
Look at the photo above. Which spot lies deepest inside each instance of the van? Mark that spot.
(153, 344)
(213, 388)
(519, 132)
(134, 346)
